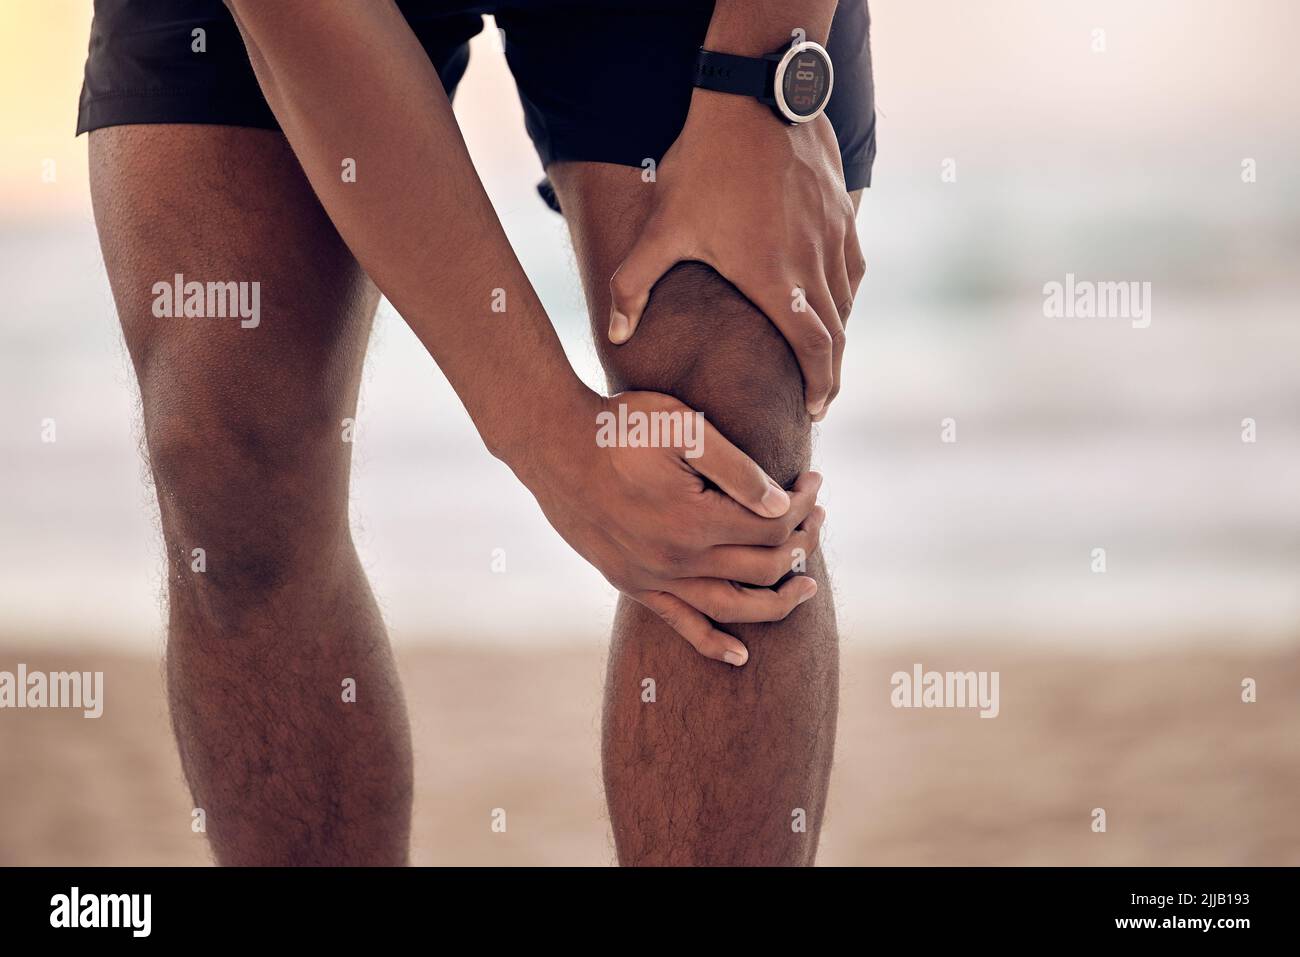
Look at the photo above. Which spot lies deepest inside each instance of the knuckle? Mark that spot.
(713, 607)
(620, 285)
(774, 607)
(817, 341)
(698, 536)
(670, 559)
(710, 530)
(666, 610)
(671, 619)
(776, 572)
(730, 609)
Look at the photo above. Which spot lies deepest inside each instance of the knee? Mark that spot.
(258, 481)
(702, 341)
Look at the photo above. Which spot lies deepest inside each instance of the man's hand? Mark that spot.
(650, 521)
(764, 204)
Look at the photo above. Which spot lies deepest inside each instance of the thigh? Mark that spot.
(210, 204)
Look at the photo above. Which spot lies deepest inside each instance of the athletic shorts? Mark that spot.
(605, 81)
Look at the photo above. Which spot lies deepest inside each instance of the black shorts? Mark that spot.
(603, 80)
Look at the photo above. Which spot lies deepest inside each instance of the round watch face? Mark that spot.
(804, 78)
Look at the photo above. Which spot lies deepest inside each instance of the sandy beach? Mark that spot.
(1187, 772)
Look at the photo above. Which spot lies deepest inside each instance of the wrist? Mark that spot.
(547, 443)
(742, 57)
(728, 111)
(729, 124)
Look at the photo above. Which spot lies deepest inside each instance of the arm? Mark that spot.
(348, 80)
(761, 202)
(755, 27)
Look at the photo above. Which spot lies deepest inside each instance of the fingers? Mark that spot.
(755, 565)
(695, 628)
(828, 309)
(842, 288)
(849, 275)
(842, 279)
(738, 475)
(726, 523)
(729, 602)
(810, 340)
(855, 262)
(656, 251)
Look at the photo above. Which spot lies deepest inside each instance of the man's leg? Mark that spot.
(726, 766)
(244, 428)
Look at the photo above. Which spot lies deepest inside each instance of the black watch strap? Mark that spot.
(728, 73)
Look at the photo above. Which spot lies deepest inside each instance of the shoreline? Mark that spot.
(1186, 771)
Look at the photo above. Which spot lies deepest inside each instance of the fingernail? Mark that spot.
(734, 658)
(815, 408)
(619, 327)
(809, 589)
(775, 501)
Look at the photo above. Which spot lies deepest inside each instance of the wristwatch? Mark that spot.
(795, 81)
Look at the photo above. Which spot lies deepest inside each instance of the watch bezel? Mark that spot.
(778, 86)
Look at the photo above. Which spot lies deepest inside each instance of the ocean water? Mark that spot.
(1071, 435)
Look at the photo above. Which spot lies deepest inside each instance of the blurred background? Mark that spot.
(1018, 141)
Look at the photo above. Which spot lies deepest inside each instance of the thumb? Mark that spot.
(653, 254)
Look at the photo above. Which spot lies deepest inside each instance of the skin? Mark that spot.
(649, 519)
(249, 465)
(725, 769)
(244, 433)
(243, 430)
(715, 770)
(761, 201)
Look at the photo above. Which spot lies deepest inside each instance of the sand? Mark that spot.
(1187, 773)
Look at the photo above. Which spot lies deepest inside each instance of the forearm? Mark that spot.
(416, 217)
(756, 27)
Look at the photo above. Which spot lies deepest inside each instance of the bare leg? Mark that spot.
(244, 428)
(727, 766)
